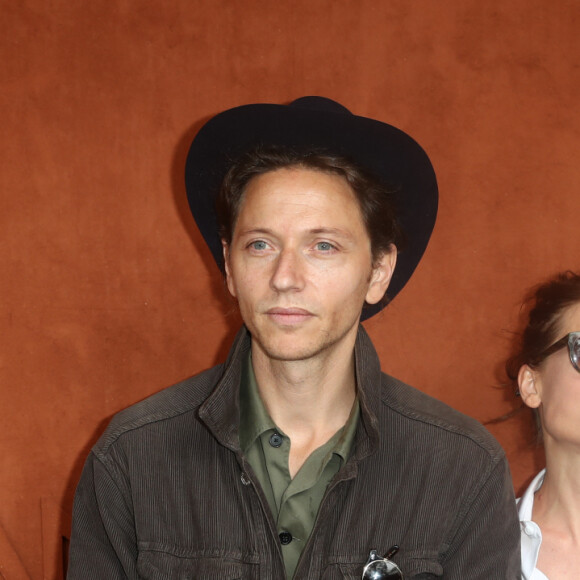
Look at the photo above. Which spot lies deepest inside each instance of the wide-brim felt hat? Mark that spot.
(322, 124)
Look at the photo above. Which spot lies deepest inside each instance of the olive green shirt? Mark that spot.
(294, 502)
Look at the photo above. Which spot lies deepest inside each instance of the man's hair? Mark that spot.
(374, 197)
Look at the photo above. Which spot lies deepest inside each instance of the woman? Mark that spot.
(547, 372)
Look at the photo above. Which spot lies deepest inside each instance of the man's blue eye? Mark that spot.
(324, 246)
(259, 245)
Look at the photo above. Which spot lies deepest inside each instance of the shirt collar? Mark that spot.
(344, 444)
(255, 419)
(221, 411)
(531, 535)
(526, 502)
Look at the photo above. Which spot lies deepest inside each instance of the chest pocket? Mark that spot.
(160, 565)
(413, 568)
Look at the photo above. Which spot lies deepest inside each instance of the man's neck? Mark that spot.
(309, 400)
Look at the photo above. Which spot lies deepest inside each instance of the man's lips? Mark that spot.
(289, 315)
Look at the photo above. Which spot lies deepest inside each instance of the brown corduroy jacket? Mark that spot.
(167, 494)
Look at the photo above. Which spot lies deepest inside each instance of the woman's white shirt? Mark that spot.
(530, 531)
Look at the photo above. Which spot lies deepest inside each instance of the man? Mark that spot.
(298, 458)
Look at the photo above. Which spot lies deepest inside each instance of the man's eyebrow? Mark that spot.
(252, 231)
(332, 231)
(314, 231)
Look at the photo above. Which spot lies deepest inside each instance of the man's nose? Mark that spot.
(288, 271)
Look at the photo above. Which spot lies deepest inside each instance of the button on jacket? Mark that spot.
(166, 493)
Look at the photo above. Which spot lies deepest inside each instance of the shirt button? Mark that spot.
(276, 440)
(285, 538)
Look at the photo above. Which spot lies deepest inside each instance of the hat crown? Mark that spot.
(314, 103)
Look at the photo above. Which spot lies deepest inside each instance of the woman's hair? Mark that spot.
(545, 306)
(374, 197)
(542, 313)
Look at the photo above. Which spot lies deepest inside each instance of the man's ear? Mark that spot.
(229, 279)
(529, 386)
(381, 275)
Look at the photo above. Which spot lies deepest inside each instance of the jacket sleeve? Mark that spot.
(103, 540)
(487, 542)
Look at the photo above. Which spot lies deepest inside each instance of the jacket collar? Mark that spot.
(220, 412)
(368, 382)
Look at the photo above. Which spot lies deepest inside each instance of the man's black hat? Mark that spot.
(320, 124)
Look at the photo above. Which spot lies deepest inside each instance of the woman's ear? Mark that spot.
(529, 383)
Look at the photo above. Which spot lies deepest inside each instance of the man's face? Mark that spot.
(300, 264)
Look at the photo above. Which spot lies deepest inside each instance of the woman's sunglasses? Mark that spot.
(572, 340)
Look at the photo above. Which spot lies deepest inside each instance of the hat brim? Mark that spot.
(318, 123)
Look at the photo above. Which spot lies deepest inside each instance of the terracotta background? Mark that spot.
(107, 291)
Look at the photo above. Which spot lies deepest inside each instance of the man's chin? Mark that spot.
(291, 348)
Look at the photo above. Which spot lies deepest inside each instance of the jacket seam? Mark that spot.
(496, 453)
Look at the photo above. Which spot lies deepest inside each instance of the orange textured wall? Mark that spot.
(107, 291)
